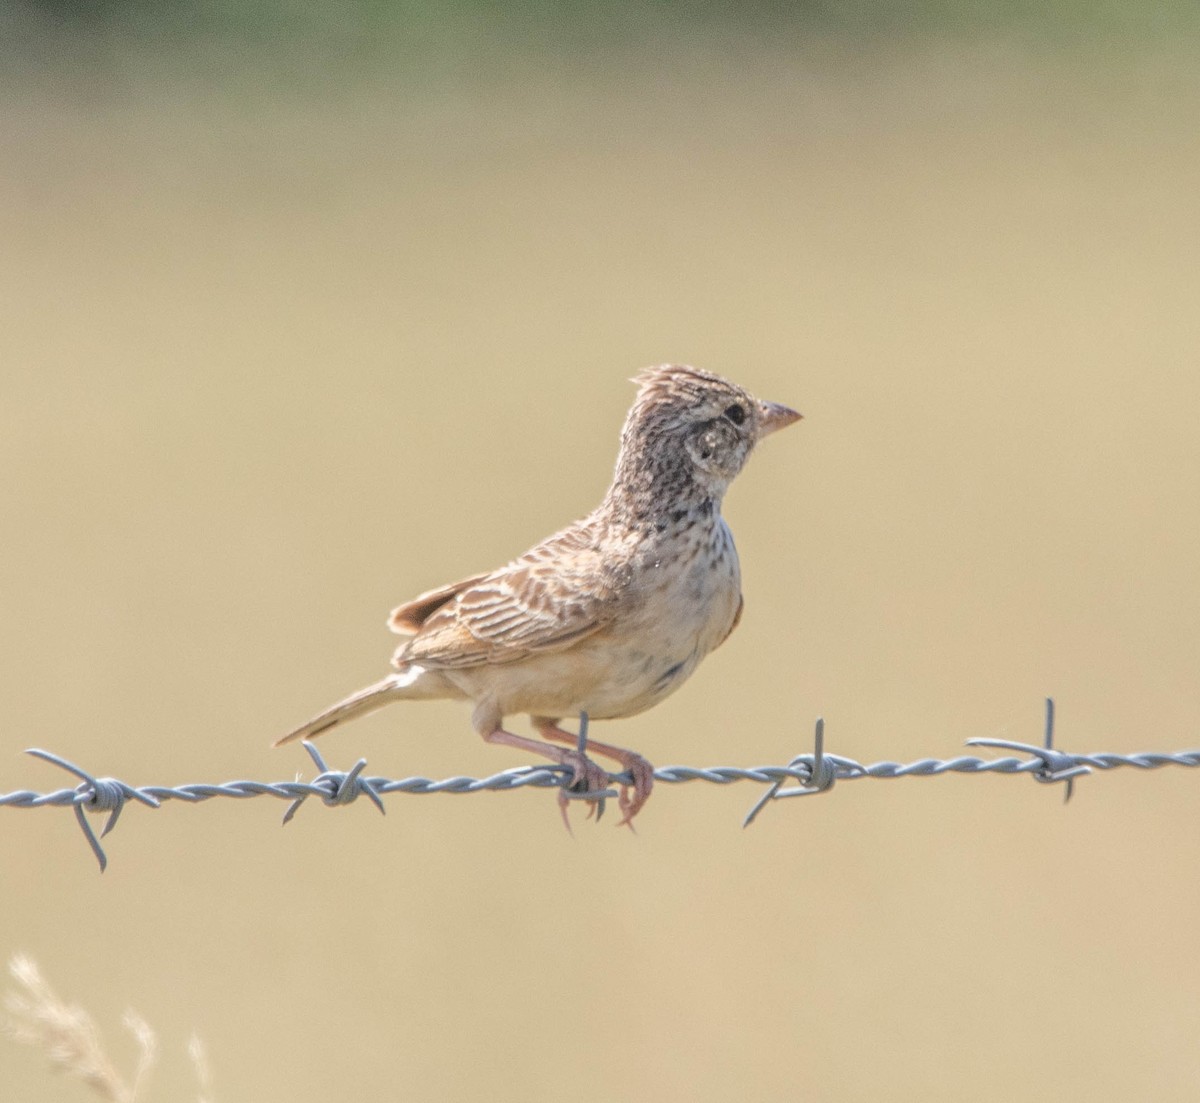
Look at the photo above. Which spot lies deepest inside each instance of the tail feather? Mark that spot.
(372, 697)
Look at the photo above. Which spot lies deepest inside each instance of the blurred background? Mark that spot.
(305, 308)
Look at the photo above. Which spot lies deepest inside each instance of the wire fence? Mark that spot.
(805, 775)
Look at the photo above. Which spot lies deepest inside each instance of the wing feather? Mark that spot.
(407, 619)
(558, 592)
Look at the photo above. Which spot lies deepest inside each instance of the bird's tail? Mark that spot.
(392, 688)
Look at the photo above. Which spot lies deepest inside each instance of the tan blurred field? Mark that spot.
(273, 363)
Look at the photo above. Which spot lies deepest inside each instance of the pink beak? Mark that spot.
(772, 417)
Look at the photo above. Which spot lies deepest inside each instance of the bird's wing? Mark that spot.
(554, 595)
(737, 619)
(407, 619)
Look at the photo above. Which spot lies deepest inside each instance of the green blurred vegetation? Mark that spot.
(604, 22)
(312, 47)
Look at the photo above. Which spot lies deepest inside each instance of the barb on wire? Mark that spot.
(822, 773)
(334, 786)
(804, 775)
(104, 794)
(1055, 766)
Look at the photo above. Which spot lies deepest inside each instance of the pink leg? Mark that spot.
(586, 776)
(642, 771)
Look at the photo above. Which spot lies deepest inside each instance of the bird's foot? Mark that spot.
(643, 781)
(586, 777)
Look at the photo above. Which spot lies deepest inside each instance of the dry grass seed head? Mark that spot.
(68, 1037)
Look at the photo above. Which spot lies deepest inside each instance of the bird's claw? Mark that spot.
(643, 782)
(586, 777)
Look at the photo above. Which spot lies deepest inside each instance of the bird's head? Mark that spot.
(688, 424)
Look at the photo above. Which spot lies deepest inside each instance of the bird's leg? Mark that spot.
(638, 767)
(586, 776)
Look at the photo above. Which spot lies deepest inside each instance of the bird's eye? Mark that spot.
(736, 414)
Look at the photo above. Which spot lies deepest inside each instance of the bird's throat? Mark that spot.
(659, 504)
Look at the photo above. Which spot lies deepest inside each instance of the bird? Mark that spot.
(608, 616)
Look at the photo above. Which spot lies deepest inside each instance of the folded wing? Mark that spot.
(555, 594)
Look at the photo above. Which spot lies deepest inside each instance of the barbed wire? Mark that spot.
(812, 773)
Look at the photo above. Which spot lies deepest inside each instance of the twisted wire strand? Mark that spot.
(804, 775)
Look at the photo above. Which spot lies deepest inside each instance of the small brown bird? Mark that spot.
(608, 616)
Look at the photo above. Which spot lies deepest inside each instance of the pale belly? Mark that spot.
(682, 614)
